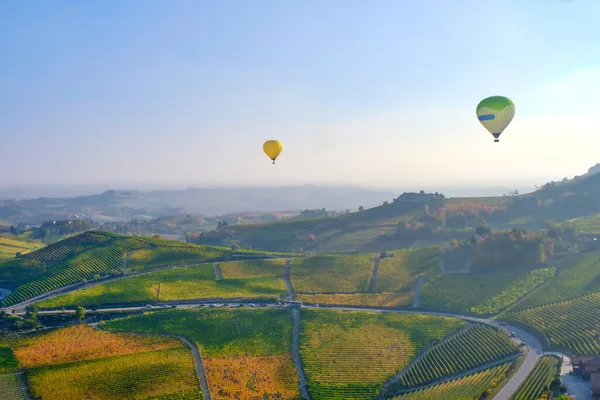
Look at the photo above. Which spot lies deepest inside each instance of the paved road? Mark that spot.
(199, 366)
(296, 353)
(578, 387)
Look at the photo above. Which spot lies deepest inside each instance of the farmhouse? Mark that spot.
(589, 368)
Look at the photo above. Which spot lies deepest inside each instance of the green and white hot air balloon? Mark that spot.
(495, 113)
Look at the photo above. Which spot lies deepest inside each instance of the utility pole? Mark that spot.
(158, 292)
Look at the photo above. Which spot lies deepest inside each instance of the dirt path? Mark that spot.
(199, 366)
(374, 274)
(417, 295)
(218, 272)
(288, 280)
(296, 353)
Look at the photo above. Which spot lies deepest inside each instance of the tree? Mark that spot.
(13, 231)
(31, 311)
(156, 236)
(361, 208)
(482, 230)
(80, 313)
(385, 203)
(426, 207)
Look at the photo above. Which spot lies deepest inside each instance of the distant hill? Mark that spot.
(122, 205)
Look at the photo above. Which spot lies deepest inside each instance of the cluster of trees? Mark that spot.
(55, 228)
(508, 250)
(316, 213)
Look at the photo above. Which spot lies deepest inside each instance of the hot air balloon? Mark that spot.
(272, 148)
(495, 113)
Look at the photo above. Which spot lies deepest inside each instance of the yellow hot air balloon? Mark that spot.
(272, 149)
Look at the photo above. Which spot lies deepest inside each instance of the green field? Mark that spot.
(588, 224)
(8, 362)
(268, 268)
(401, 271)
(545, 370)
(332, 274)
(571, 325)
(197, 282)
(245, 352)
(349, 355)
(467, 388)
(13, 387)
(578, 275)
(484, 294)
(148, 259)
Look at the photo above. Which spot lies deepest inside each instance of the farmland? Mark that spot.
(570, 325)
(245, 352)
(481, 293)
(474, 346)
(252, 268)
(578, 276)
(8, 362)
(467, 388)
(149, 259)
(544, 372)
(10, 246)
(137, 376)
(401, 270)
(343, 352)
(196, 282)
(332, 274)
(69, 247)
(385, 299)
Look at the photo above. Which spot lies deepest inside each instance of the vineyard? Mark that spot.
(545, 370)
(570, 325)
(468, 388)
(349, 355)
(252, 268)
(474, 346)
(137, 376)
(148, 259)
(486, 293)
(196, 282)
(10, 246)
(245, 353)
(385, 299)
(332, 274)
(578, 276)
(13, 387)
(60, 251)
(400, 271)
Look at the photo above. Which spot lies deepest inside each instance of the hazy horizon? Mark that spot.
(111, 93)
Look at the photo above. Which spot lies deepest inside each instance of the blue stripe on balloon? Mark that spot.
(486, 117)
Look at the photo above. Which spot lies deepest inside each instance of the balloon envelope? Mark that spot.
(272, 149)
(495, 113)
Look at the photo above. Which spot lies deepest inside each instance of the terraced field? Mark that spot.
(400, 272)
(80, 362)
(197, 282)
(484, 294)
(579, 275)
(69, 247)
(476, 345)
(349, 355)
(332, 273)
(148, 259)
(468, 388)
(545, 370)
(246, 353)
(571, 325)
(13, 387)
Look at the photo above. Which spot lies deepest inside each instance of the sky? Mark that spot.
(379, 93)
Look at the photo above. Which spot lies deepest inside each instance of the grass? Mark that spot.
(385, 299)
(578, 275)
(246, 353)
(252, 268)
(332, 274)
(468, 388)
(569, 325)
(474, 346)
(350, 354)
(81, 343)
(197, 282)
(8, 362)
(483, 294)
(148, 259)
(137, 376)
(13, 387)
(545, 370)
(588, 224)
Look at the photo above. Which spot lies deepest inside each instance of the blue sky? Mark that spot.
(369, 93)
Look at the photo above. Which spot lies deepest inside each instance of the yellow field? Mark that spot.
(138, 376)
(9, 246)
(252, 268)
(246, 378)
(387, 299)
(79, 343)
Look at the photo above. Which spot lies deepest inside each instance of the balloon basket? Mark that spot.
(496, 140)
